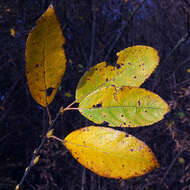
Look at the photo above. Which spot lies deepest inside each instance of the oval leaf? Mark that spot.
(123, 107)
(134, 65)
(111, 153)
(45, 58)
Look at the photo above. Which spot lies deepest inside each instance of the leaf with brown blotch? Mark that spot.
(111, 153)
(45, 58)
(123, 107)
(134, 65)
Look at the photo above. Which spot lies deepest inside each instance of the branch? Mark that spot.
(36, 151)
(124, 25)
(93, 34)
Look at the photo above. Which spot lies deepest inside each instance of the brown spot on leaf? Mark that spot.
(139, 103)
(106, 79)
(134, 77)
(37, 65)
(122, 115)
(129, 63)
(131, 150)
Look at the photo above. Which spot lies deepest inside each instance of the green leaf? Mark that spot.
(134, 65)
(123, 107)
(45, 58)
(111, 153)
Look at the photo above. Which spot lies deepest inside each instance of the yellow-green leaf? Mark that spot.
(111, 153)
(123, 107)
(134, 65)
(45, 58)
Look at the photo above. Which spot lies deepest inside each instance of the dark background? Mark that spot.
(95, 31)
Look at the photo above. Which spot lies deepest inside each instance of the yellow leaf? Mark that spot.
(12, 31)
(45, 58)
(123, 107)
(36, 160)
(49, 133)
(111, 153)
(134, 65)
(188, 70)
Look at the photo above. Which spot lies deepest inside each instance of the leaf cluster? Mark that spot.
(106, 93)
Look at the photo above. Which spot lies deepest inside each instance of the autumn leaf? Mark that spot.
(134, 65)
(123, 107)
(111, 153)
(45, 58)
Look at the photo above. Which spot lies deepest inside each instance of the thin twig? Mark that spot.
(124, 25)
(182, 40)
(36, 152)
(93, 34)
(179, 42)
(170, 167)
(83, 178)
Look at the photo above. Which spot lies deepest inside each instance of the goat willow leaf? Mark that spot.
(111, 153)
(45, 58)
(123, 107)
(134, 65)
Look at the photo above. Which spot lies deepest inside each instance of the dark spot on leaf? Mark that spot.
(143, 64)
(129, 126)
(134, 77)
(139, 65)
(139, 103)
(122, 115)
(122, 64)
(126, 135)
(122, 88)
(99, 105)
(118, 66)
(77, 158)
(124, 123)
(123, 165)
(129, 63)
(90, 115)
(131, 150)
(37, 65)
(107, 80)
(145, 111)
(49, 91)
